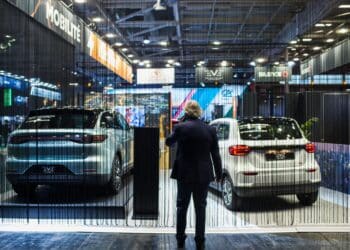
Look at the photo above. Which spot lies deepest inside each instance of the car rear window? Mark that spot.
(270, 129)
(56, 119)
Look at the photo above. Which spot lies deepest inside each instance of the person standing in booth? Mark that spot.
(197, 152)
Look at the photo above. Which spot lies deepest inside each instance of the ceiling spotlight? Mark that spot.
(260, 60)
(135, 61)
(148, 65)
(319, 31)
(147, 61)
(124, 49)
(97, 19)
(163, 43)
(170, 61)
(141, 63)
(253, 64)
(200, 63)
(329, 25)
(177, 64)
(320, 25)
(296, 59)
(293, 42)
(293, 49)
(159, 5)
(307, 39)
(343, 31)
(80, 1)
(130, 55)
(329, 40)
(110, 35)
(344, 6)
(215, 48)
(224, 64)
(276, 63)
(167, 65)
(118, 44)
(216, 42)
(146, 41)
(305, 54)
(316, 48)
(291, 63)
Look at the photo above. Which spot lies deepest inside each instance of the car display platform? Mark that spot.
(68, 202)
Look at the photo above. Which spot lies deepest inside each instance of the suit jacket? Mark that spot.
(197, 151)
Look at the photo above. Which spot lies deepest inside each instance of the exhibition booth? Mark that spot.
(83, 134)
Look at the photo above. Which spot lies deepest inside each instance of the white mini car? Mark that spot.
(266, 157)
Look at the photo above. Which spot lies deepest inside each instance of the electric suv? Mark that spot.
(266, 157)
(69, 146)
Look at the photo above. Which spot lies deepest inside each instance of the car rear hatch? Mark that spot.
(55, 134)
(274, 150)
(60, 144)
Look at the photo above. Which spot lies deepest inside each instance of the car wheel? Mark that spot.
(230, 198)
(24, 189)
(308, 199)
(115, 183)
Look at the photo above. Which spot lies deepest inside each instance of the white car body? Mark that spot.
(253, 174)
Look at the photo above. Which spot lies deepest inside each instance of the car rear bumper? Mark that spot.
(91, 165)
(277, 190)
(91, 179)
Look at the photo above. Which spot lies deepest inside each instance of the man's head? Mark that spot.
(192, 109)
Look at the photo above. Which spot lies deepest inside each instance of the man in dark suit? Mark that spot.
(197, 152)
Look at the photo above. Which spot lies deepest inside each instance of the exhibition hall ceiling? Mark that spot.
(174, 33)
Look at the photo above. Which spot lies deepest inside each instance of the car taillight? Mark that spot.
(310, 148)
(94, 138)
(239, 150)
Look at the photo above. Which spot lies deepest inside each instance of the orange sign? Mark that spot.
(104, 54)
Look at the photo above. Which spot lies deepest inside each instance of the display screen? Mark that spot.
(156, 76)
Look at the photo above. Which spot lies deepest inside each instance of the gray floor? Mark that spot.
(101, 241)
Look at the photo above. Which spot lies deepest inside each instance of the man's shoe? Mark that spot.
(200, 246)
(181, 241)
(181, 244)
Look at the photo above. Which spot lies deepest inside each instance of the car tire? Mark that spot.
(24, 189)
(115, 182)
(308, 199)
(231, 200)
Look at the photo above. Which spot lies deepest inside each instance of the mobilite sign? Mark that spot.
(55, 16)
(212, 75)
(273, 74)
(63, 22)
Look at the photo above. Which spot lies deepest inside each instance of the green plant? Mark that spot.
(307, 126)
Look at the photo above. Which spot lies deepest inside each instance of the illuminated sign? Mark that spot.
(7, 98)
(156, 76)
(104, 54)
(9, 82)
(273, 74)
(213, 75)
(45, 93)
(63, 22)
